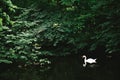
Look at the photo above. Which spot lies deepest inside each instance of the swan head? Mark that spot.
(83, 56)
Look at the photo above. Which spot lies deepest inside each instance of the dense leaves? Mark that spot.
(57, 27)
(6, 8)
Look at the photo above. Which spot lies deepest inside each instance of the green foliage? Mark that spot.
(59, 27)
(5, 61)
(1, 24)
(6, 8)
(77, 24)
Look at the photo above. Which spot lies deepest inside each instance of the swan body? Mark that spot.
(89, 60)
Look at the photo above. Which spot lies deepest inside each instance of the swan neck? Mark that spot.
(85, 63)
(85, 58)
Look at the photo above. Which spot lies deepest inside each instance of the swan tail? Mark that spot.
(95, 59)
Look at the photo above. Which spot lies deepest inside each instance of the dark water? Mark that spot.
(67, 68)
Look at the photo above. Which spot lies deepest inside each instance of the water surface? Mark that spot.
(64, 68)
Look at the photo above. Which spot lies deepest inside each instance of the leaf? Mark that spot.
(5, 61)
(1, 24)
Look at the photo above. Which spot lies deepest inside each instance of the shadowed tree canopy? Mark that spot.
(57, 28)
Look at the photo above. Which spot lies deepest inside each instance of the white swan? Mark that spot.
(89, 60)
